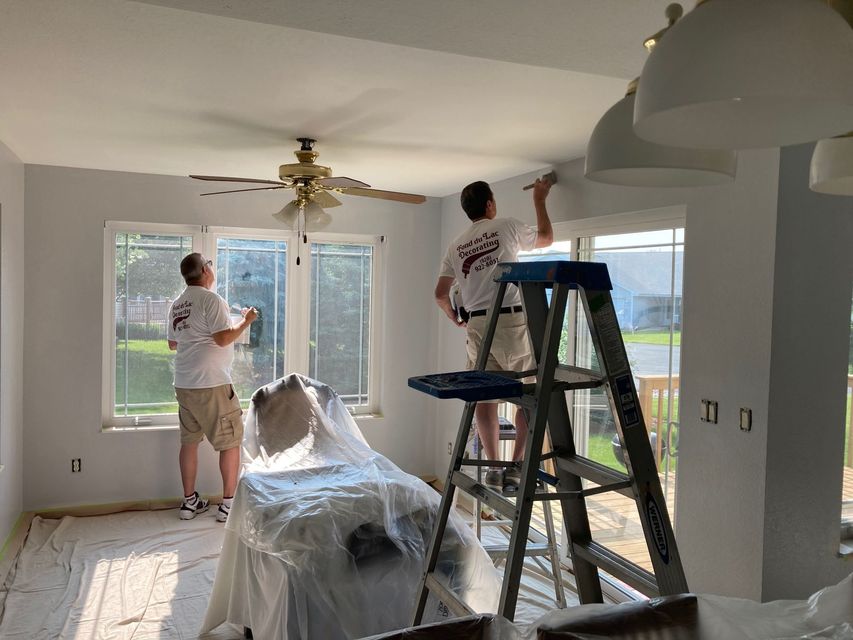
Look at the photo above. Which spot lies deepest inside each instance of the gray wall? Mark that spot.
(813, 283)
(66, 210)
(734, 505)
(11, 339)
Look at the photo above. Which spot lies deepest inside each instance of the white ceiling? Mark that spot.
(403, 94)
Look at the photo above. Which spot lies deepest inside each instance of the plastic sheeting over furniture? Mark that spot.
(327, 538)
(827, 615)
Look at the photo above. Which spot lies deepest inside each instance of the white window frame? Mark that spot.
(302, 321)
(297, 316)
(108, 373)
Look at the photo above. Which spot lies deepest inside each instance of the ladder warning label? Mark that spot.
(624, 392)
(609, 333)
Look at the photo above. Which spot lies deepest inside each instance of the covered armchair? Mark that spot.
(327, 538)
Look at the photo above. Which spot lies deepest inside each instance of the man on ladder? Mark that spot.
(471, 260)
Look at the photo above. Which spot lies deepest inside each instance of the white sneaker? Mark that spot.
(193, 506)
(222, 513)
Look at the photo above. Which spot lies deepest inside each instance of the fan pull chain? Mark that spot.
(300, 230)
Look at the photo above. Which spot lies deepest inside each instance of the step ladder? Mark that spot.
(546, 404)
(539, 545)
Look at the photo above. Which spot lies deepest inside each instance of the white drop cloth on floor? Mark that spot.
(127, 576)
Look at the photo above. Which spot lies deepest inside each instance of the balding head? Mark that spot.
(192, 269)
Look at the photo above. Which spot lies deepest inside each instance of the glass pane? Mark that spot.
(147, 279)
(647, 288)
(557, 251)
(847, 494)
(341, 285)
(251, 273)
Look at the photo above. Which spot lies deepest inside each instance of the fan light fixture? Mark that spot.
(315, 218)
(615, 155)
(736, 74)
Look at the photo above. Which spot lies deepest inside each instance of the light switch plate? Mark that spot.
(703, 410)
(712, 411)
(745, 419)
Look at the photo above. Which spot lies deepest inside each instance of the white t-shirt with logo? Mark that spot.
(473, 257)
(194, 317)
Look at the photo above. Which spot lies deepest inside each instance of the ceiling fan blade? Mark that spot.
(253, 180)
(326, 199)
(397, 196)
(341, 182)
(216, 193)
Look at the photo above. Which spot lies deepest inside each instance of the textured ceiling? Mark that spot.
(413, 96)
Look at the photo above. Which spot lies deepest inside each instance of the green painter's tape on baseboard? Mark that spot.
(18, 523)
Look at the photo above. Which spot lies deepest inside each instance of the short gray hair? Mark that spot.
(192, 267)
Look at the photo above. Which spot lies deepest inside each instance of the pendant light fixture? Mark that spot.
(736, 74)
(832, 166)
(615, 155)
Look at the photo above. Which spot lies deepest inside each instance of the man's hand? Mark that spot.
(250, 314)
(541, 188)
(454, 318)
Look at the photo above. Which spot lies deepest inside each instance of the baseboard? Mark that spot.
(83, 511)
(14, 543)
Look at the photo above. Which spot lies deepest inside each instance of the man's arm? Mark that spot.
(544, 232)
(442, 298)
(227, 336)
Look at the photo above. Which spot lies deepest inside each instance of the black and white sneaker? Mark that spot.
(192, 506)
(222, 513)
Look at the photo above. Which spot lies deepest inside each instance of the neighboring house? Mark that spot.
(645, 295)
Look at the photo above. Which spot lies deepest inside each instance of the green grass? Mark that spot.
(652, 337)
(150, 363)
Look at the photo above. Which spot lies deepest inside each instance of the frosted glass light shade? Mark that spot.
(832, 167)
(736, 74)
(289, 215)
(315, 217)
(616, 155)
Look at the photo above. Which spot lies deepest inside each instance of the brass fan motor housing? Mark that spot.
(301, 170)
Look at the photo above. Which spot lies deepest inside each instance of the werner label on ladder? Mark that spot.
(546, 405)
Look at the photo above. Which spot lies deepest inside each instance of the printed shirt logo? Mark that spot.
(477, 248)
(181, 313)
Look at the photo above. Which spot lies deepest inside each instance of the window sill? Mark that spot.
(143, 428)
(366, 417)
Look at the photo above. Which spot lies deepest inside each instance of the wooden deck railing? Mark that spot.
(654, 401)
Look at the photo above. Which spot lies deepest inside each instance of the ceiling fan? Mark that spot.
(313, 185)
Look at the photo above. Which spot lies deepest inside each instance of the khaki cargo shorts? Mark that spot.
(214, 413)
(511, 348)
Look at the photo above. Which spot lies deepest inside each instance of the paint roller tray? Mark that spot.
(470, 386)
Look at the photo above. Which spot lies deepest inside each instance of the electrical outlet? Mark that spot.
(76, 465)
(450, 448)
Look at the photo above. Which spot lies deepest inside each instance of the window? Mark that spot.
(144, 278)
(253, 273)
(341, 277)
(318, 318)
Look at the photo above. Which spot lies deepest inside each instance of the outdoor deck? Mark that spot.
(615, 523)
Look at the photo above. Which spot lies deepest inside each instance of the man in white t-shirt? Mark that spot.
(471, 260)
(200, 330)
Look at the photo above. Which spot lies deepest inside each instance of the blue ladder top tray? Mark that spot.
(470, 386)
(587, 275)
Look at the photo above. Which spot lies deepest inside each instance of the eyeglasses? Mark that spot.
(207, 263)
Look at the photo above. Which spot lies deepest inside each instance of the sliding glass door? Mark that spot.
(646, 271)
